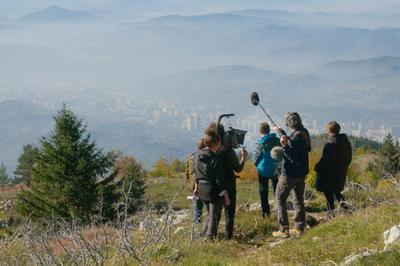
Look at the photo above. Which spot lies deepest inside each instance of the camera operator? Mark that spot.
(230, 164)
(210, 184)
(294, 170)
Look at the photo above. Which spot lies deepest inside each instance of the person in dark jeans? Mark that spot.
(294, 170)
(197, 203)
(210, 184)
(333, 166)
(230, 164)
(266, 166)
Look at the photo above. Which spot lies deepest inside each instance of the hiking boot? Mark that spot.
(281, 234)
(296, 232)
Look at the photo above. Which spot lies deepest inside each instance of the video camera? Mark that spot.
(233, 138)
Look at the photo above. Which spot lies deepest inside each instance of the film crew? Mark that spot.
(332, 167)
(266, 166)
(210, 188)
(294, 170)
(191, 180)
(230, 164)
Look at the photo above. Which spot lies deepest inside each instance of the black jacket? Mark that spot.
(209, 175)
(230, 165)
(332, 168)
(295, 155)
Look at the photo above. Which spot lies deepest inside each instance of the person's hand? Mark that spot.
(284, 141)
(227, 200)
(244, 154)
(277, 129)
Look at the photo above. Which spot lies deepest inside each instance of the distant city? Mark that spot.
(194, 122)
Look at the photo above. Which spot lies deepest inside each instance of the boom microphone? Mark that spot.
(255, 100)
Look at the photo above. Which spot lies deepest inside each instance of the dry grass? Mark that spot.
(10, 191)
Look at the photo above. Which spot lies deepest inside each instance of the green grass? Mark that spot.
(391, 257)
(161, 191)
(334, 240)
(329, 242)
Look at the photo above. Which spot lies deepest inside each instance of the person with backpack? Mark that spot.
(266, 166)
(191, 180)
(333, 166)
(294, 171)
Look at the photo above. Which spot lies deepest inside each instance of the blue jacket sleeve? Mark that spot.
(257, 156)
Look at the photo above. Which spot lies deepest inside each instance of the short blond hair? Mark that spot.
(333, 127)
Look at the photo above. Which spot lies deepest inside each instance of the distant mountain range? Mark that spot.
(217, 20)
(368, 20)
(55, 14)
(378, 67)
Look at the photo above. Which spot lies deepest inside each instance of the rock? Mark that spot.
(147, 224)
(316, 238)
(350, 260)
(276, 243)
(255, 207)
(175, 217)
(180, 216)
(178, 230)
(392, 236)
(244, 207)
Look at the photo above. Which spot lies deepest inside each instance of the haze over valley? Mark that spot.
(147, 76)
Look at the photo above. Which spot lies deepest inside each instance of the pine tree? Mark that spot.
(26, 162)
(3, 176)
(66, 172)
(391, 155)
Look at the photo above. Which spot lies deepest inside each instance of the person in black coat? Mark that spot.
(210, 185)
(332, 167)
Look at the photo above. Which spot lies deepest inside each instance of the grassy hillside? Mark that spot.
(169, 241)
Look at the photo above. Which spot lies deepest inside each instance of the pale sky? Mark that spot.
(16, 8)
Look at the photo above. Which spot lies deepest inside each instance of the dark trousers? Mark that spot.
(230, 215)
(283, 189)
(263, 183)
(197, 210)
(330, 200)
(210, 225)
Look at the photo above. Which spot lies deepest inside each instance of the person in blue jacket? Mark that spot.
(266, 166)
